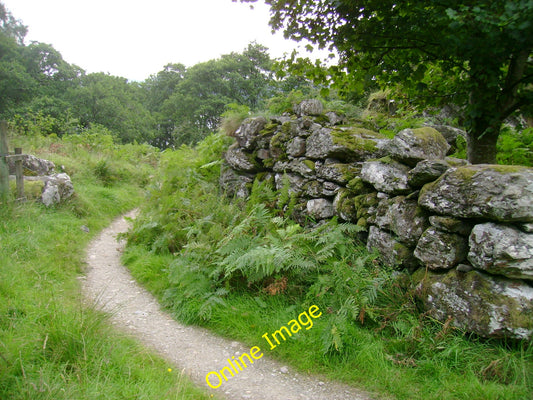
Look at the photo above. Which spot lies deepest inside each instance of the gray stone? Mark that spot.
(309, 107)
(390, 250)
(479, 303)
(263, 154)
(240, 160)
(451, 225)
(304, 167)
(411, 146)
(495, 192)
(330, 189)
(402, 216)
(440, 250)
(386, 176)
(335, 119)
(33, 166)
(427, 171)
(295, 182)
(338, 172)
(249, 131)
(57, 188)
(528, 228)
(502, 250)
(234, 184)
(450, 134)
(320, 208)
(296, 147)
(345, 144)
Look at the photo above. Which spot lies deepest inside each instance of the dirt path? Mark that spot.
(194, 350)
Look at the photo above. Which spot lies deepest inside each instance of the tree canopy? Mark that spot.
(474, 54)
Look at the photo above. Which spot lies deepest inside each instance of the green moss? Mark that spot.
(310, 164)
(356, 185)
(356, 139)
(269, 129)
(429, 135)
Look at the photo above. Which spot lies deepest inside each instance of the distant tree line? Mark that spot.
(40, 91)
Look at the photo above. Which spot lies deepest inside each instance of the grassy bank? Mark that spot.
(244, 269)
(52, 346)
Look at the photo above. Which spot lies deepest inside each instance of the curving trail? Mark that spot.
(196, 351)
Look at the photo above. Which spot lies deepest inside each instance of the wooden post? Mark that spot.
(20, 174)
(4, 170)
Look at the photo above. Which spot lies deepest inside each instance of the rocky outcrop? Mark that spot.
(56, 188)
(470, 227)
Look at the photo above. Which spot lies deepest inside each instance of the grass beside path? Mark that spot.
(51, 345)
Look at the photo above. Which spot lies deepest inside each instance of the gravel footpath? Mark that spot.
(194, 350)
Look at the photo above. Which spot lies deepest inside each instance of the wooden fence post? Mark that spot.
(4, 170)
(20, 174)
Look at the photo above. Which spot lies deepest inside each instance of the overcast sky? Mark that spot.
(136, 38)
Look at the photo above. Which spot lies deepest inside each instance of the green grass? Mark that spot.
(52, 345)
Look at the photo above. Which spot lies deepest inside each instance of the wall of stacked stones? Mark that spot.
(465, 232)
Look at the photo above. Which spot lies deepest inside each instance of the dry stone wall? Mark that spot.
(465, 232)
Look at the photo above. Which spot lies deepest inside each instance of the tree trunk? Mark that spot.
(481, 145)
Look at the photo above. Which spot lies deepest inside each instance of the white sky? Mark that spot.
(137, 38)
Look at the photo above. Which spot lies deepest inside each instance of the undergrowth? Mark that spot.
(53, 345)
(245, 268)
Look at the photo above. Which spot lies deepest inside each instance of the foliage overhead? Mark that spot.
(475, 54)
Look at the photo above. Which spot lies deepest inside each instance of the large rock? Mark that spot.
(309, 107)
(353, 144)
(411, 146)
(451, 134)
(33, 166)
(427, 171)
(57, 188)
(235, 184)
(495, 192)
(320, 209)
(240, 160)
(402, 216)
(386, 176)
(391, 251)
(479, 303)
(337, 172)
(249, 131)
(440, 250)
(502, 250)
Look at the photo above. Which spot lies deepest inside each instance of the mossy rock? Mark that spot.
(357, 139)
(480, 303)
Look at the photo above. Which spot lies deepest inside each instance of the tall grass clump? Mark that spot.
(243, 268)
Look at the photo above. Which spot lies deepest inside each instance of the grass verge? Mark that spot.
(52, 346)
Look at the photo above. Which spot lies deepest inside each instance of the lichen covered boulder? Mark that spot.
(391, 250)
(479, 303)
(353, 144)
(57, 188)
(403, 216)
(495, 192)
(441, 250)
(320, 209)
(240, 160)
(249, 131)
(502, 250)
(387, 176)
(410, 146)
